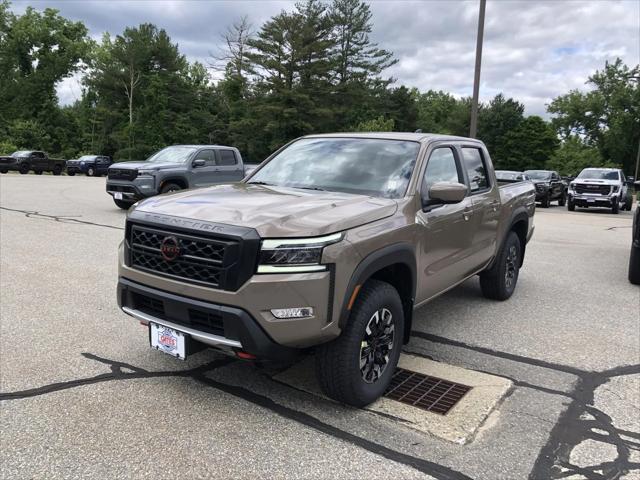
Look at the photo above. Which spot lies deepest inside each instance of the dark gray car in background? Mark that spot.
(173, 168)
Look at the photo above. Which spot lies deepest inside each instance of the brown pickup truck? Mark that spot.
(330, 244)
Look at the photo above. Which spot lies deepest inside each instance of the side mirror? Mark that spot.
(445, 192)
(199, 162)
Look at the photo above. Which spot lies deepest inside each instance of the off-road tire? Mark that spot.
(634, 266)
(57, 170)
(122, 204)
(24, 168)
(90, 172)
(562, 200)
(546, 201)
(71, 174)
(571, 206)
(615, 208)
(170, 187)
(493, 282)
(338, 362)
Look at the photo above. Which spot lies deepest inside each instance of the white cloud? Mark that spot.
(533, 50)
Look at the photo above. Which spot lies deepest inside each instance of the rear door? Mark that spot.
(445, 232)
(230, 169)
(208, 173)
(38, 161)
(485, 198)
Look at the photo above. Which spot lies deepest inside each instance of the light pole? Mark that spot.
(476, 78)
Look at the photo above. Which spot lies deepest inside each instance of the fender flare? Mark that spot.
(397, 253)
(175, 179)
(521, 214)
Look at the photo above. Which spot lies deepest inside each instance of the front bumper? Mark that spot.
(219, 326)
(10, 166)
(256, 298)
(593, 200)
(132, 190)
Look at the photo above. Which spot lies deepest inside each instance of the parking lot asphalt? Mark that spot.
(82, 395)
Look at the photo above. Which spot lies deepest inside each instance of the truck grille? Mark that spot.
(590, 188)
(200, 260)
(122, 173)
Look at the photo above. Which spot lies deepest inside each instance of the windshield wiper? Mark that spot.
(312, 188)
(260, 183)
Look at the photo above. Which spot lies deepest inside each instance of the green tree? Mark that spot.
(606, 117)
(573, 155)
(528, 146)
(379, 124)
(495, 120)
(37, 50)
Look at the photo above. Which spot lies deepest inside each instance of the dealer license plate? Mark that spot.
(117, 195)
(168, 340)
(591, 200)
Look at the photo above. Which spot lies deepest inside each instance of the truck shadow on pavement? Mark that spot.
(581, 421)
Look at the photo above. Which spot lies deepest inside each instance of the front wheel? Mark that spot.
(71, 174)
(615, 208)
(122, 204)
(546, 201)
(90, 172)
(499, 282)
(57, 170)
(634, 266)
(23, 169)
(562, 200)
(170, 187)
(4, 170)
(357, 367)
(571, 206)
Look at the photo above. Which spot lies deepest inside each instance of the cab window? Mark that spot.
(208, 156)
(476, 169)
(227, 158)
(441, 167)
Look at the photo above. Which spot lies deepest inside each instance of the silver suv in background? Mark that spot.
(599, 187)
(171, 169)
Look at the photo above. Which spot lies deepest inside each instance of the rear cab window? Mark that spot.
(476, 168)
(227, 158)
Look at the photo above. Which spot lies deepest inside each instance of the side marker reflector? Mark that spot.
(353, 296)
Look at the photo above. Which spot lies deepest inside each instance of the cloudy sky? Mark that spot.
(534, 50)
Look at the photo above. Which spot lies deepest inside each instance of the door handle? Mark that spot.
(466, 213)
(494, 206)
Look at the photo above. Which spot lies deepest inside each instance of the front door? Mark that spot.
(206, 174)
(445, 232)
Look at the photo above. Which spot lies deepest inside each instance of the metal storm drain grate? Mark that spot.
(422, 391)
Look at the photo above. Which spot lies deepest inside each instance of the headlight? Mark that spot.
(146, 173)
(616, 188)
(294, 255)
(81, 163)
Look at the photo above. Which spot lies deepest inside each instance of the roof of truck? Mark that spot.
(202, 146)
(415, 137)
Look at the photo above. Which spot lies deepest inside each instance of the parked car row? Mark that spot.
(593, 187)
(25, 161)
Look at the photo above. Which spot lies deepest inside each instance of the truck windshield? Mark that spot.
(20, 153)
(538, 174)
(172, 155)
(87, 157)
(599, 174)
(366, 166)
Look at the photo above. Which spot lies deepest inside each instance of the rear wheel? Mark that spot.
(499, 282)
(57, 169)
(122, 204)
(23, 169)
(357, 367)
(170, 187)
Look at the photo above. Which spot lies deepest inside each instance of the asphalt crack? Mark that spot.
(59, 218)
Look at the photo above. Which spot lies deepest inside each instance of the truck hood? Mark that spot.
(143, 165)
(592, 181)
(272, 211)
